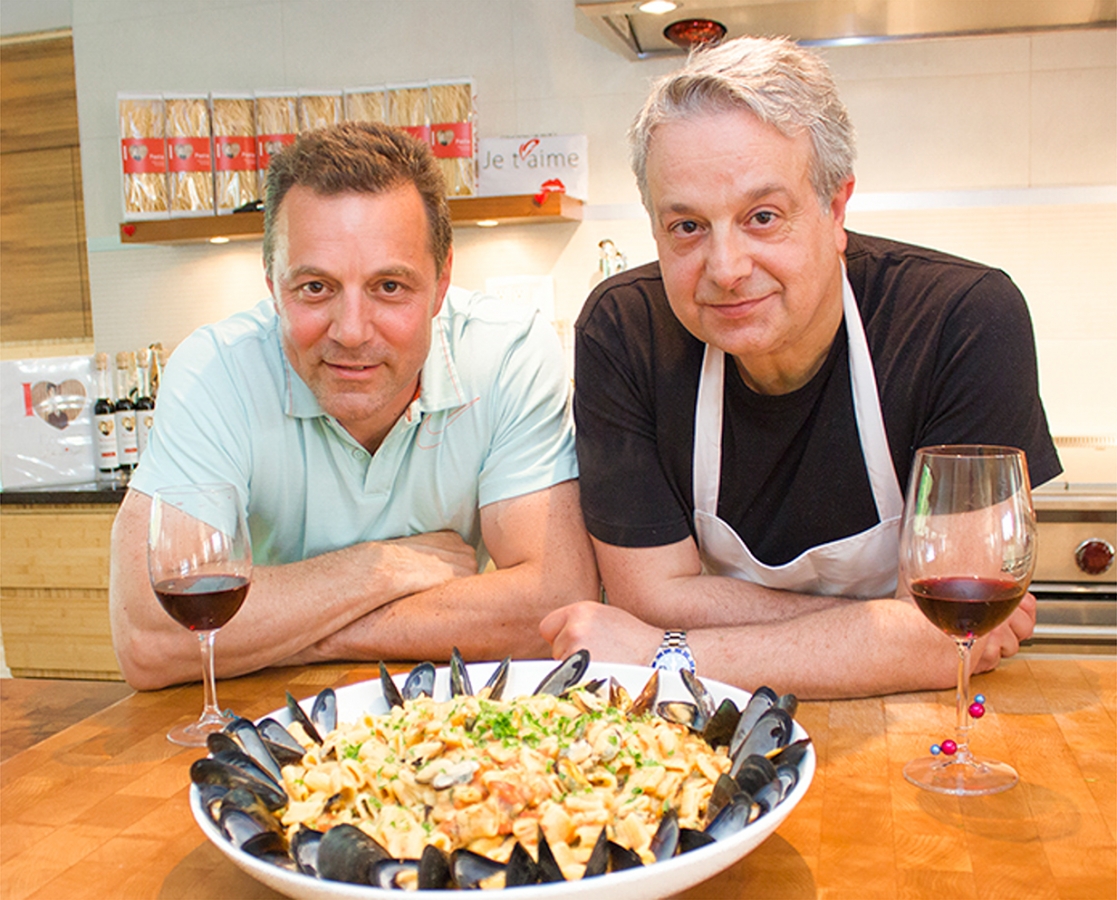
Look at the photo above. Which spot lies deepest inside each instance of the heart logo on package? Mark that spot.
(58, 404)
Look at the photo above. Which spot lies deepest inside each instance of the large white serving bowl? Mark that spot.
(647, 883)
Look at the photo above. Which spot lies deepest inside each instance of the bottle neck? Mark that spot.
(104, 384)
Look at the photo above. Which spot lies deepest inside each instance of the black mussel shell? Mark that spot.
(240, 760)
(755, 772)
(345, 853)
(297, 715)
(283, 754)
(598, 863)
(734, 816)
(434, 869)
(792, 754)
(681, 712)
(419, 683)
(622, 858)
(388, 686)
(246, 734)
(644, 702)
(565, 675)
(385, 873)
(211, 796)
(665, 841)
(521, 870)
(242, 799)
(789, 702)
(324, 711)
(771, 733)
(768, 796)
(469, 869)
(789, 777)
(725, 788)
(275, 734)
(549, 871)
(460, 685)
(212, 771)
(267, 845)
(721, 725)
(304, 849)
(689, 839)
(498, 679)
(239, 826)
(619, 697)
(702, 697)
(762, 700)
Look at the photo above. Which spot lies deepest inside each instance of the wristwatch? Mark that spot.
(673, 654)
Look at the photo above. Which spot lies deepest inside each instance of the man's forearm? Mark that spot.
(485, 616)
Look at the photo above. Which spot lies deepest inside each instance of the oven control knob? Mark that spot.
(1094, 556)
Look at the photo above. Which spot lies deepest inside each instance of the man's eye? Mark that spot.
(764, 217)
(314, 288)
(685, 227)
(391, 287)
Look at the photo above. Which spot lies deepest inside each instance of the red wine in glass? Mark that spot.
(967, 553)
(202, 602)
(199, 558)
(966, 607)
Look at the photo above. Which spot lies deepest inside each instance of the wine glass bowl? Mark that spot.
(200, 563)
(967, 554)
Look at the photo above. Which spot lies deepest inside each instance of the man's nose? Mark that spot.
(730, 257)
(351, 319)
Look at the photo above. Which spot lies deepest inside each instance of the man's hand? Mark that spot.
(424, 561)
(1004, 640)
(610, 634)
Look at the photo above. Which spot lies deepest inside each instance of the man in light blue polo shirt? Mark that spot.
(388, 436)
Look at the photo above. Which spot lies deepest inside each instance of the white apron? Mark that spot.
(861, 565)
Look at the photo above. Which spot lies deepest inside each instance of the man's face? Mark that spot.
(751, 262)
(356, 287)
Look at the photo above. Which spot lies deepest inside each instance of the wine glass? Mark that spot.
(200, 561)
(967, 553)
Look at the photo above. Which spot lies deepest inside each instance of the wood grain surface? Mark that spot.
(100, 809)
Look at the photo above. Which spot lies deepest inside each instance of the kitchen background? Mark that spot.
(1000, 148)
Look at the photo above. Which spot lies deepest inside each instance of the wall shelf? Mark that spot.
(465, 211)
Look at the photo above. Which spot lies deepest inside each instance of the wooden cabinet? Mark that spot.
(54, 590)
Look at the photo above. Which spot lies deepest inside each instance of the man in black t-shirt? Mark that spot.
(748, 408)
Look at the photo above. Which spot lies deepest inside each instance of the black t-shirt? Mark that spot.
(954, 357)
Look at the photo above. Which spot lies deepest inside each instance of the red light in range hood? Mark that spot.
(687, 33)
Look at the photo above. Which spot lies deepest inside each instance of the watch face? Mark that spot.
(673, 659)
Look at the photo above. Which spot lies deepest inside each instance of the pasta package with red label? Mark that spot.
(143, 156)
(407, 106)
(320, 109)
(365, 104)
(189, 154)
(452, 129)
(277, 123)
(234, 150)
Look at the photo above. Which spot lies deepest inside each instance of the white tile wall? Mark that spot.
(1019, 113)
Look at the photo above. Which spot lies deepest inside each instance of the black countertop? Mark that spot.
(93, 492)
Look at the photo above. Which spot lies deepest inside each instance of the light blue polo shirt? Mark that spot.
(492, 421)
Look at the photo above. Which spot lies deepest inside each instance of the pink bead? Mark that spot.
(949, 748)
(976, 710)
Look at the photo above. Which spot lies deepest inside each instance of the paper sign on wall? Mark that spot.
(534, 164)
(46, 408)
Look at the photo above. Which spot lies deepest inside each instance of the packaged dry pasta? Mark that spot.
(364, 104)
(452, 115)
(189, 154)
(407, 106)
(143, 155)
(234, 150)
(319, 109)
(277, 123)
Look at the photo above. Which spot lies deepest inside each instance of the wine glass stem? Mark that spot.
(209, 680)
(962, 699)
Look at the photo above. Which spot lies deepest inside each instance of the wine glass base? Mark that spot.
(971, 777)
(194, 734)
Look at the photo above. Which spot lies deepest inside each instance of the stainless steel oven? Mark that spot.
(1075, 583)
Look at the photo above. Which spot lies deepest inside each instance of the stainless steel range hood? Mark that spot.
(639, 35)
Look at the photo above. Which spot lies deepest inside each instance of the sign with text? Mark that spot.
(534, 164)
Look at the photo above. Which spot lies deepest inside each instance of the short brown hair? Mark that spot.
(360, 157)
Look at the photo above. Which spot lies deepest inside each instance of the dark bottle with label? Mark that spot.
(125, 411)
(104, 414)
(145, 404)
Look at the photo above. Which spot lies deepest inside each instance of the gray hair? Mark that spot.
(776, 80)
